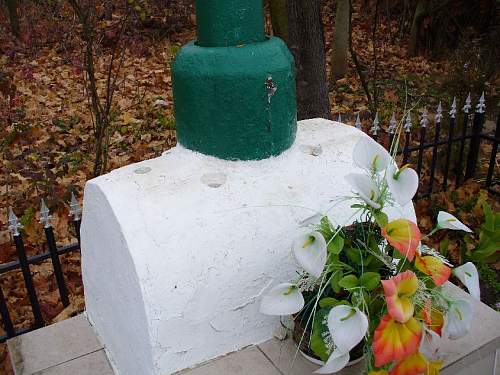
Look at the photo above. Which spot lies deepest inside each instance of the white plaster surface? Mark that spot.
(177, 250)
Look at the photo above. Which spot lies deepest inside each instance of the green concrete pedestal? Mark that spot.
(234, 89)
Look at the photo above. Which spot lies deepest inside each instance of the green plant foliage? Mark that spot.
(320, 334)
(336, 244)
(488, 248)
(370, 280)
(349, 282)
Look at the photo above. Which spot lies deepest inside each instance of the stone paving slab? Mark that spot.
(95, 363)
(249, 361)
(52, 345)
(71, 348)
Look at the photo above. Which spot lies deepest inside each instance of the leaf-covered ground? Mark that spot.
(46, 130)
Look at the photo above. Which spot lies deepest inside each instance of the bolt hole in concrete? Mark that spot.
(142, 170)
(311, 150)
(214, 180)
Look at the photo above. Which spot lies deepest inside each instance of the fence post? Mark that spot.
(4, 313)
(475, 141)
(76, 214)
(437, 132)
(375, 127)
(14, 227)
(493, 156)
(451, 130)
(407, 128)
(423, 128)
(45, 218)
(459, 166)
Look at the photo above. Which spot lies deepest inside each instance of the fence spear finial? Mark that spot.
(339, 119)
(45, 215)
(407, 126)
(74, 208)
(466, 108)
(439, 113)
(14, 224)
(424, 119)
(357, 123)
(481, 105)
(375, 127)
(453, 110)
(393, 124)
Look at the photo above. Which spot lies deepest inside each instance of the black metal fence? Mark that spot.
(447, 150)
(447, 154)
(24, 261)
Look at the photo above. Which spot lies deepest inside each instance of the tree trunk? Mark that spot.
(420, 12)
(14, 17)
(279, 18)
(306, 42)
(341, 40)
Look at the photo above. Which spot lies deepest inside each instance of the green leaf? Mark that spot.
(380, 218)
(327, 302)
(336, 244)
(334, 282)
(320, 333)
(354, 255)
(489, 217)
(349, 282)
(358, 206)
(370, 280)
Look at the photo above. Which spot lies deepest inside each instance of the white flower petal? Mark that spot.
(370, 155)
(403, 186)
(430, 346)
(448, 221)
(467, 274)
(336, 362)
(365, 187)
(283, 299)
(458, 320)
(310, 252)
(347, 326)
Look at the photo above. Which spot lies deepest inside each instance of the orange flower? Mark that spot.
(432, 318)
(394, 341)
(433, 267)
(403, 235)
(378, 372)
(398, 292)
(415, 364)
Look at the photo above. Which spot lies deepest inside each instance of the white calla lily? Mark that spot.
(347, 326)
(430, 345)
(403, 183)
(365, 187)
(370, 155)
(467, 274)
(310, 252)
(283, 299)
(458, 320)
(448, 221)
(336, 362)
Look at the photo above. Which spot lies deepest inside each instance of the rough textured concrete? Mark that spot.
(222, 23)
(221, 100)
(178, 250)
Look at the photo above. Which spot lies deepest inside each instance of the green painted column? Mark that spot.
(234, 88)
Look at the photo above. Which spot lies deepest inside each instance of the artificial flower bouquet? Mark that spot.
(372, 288)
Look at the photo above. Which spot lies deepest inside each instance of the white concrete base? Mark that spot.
(176, 251)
